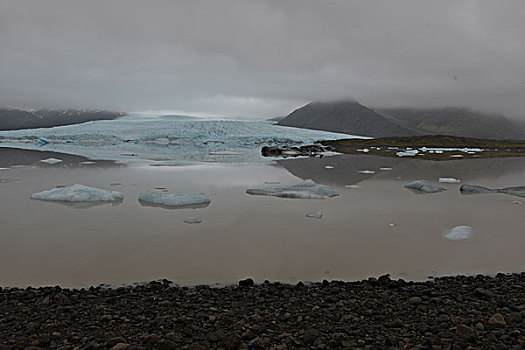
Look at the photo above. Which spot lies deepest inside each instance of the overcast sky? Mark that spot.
(261, 58)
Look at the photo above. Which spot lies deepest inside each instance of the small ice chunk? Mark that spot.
(4, 168)
(459, 233)
(51, 161)
(438, 151)
(366, 171)
(517, 202)
(365, 150)
(328, 167)
(192, 220)
(449, 180)
(424, 186)
(353, 186)
(385, 169)
(87, 163)
(408, 153)
(174, 199)
(315, 215)
(305, 190)
(78, 193)
(456, 156)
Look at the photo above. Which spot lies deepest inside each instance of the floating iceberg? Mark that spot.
(305, 190)
(316, 215)
(424, 186)
(78, 193)
(459, 233)
(328, 167)
(192, 220)
(472, 189)
(174, 199)
(51, 161)
(385, 169)
(353, 186)
(409, 153)
(366, 172)
(449, 180)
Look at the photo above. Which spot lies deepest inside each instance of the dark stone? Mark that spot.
(466, 333)
(246, 283)
(310, 336)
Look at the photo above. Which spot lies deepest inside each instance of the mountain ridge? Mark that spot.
(15, 119)
(351, 117)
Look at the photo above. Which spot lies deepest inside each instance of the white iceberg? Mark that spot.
(51, 161)
(424, 186)
(385, 169)
(459, 233)
(408, 153)
(174, 199)
(315, 215)
(353, 186)
(304, 190)
(78, 193)
(366, 171)
(192, 220)
(449, 180)
(328, 167)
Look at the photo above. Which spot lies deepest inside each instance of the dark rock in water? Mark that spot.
(294, 151)
(473, 189)
(246, 283)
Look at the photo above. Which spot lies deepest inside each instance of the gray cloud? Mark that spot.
(261, 58)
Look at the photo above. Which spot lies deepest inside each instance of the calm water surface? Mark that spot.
(378, 228)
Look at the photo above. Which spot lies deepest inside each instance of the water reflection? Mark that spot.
(347, 168)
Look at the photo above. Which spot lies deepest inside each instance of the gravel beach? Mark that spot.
(444, 313)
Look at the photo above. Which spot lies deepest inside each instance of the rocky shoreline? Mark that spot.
(444, 313)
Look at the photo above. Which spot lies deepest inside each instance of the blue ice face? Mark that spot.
(164, 139)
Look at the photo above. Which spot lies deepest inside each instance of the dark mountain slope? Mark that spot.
(12, 119)
(459, 122)
(346, 117)
(350, 117)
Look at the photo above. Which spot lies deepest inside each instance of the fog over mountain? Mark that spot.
(261, 58)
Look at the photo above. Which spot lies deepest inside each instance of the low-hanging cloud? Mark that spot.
(261, 58)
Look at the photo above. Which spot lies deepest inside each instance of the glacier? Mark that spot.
(151, 139)
(78, 193)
